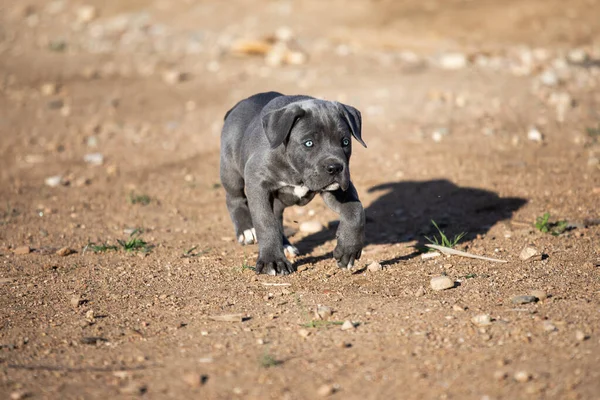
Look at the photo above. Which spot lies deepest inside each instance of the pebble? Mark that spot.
(65, 251)
(500, 375)
(453, 61)
(19, 394)
(549, 326)
(22, 250)
(326, 390)
(530, 253)
(53, 181)
(430, 254)
(324, 312)
(534, 135)
(347, 325)
(94, 158)
(549, 78)
(75, 300)
(580, 336)
(311, 227)
(133, 388)
(420, 292)
(49, 89)
(304, 333)
(86, 13)
(540, 294)
(194, 379)
(374, 267)
(522, 376)
(441, 283)
(524, 299)
(173, 77)
(577, 56)
(457, 307)
(439, 134)
(482, 320)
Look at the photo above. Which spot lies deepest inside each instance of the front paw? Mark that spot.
(274, 265)
(346, 254)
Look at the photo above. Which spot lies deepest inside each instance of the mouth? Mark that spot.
(331, 187)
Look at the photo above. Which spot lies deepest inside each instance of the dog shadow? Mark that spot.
(404, 211)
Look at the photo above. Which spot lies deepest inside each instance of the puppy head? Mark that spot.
(316, 136)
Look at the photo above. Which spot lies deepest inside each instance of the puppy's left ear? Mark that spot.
(352, 116)
(279, 123)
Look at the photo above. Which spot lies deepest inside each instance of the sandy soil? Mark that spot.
(452, 94)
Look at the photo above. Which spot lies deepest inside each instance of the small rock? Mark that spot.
(420, 292)
(310, 227)
(374, 267)
(530, 253)
(194, 379)
(324, 312)
(173, 77)
(577, 56)
(482, 320)
(522, 376)
(439, 134)
(524, 299)
(540, 294)
(581, 336)
(86, 13)
(19, 395)
(304, 333)
(347, 325)
(549, 326)
(458, 308)
(89, 315)
(76, 300)
(500, 375)
(56, 104)
(326, 390)
(49, 89)
(441, 283)
(22, 250)
(549, 78)
(53, 181)
(65, 251)
(534, 135)
(94, 158)
(453, 61)
(430, 254)
(133, 388)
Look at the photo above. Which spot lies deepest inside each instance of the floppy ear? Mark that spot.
(352, 116)
(278, 124)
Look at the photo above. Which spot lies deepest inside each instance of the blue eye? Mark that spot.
(345, 142)
(309, 143)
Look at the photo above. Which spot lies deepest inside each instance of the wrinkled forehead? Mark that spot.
(322, 116)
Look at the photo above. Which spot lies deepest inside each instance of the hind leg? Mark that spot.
(237, 204)
(288, 248)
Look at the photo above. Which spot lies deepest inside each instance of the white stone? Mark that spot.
(534, 135)
(94, 158)
(53, 181)
(348, 325)
(482, 320)
(374, 267)
(453, 61)
(86, 13)
(441, 283)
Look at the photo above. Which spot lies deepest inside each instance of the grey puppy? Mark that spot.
(278, 151)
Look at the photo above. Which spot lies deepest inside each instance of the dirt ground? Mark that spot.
(480, 115)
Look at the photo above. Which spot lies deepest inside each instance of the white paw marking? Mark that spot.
(272, 272)
(350, 265)
(249, 236)
(291, 251)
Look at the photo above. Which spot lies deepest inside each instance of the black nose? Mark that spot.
(335, 168)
